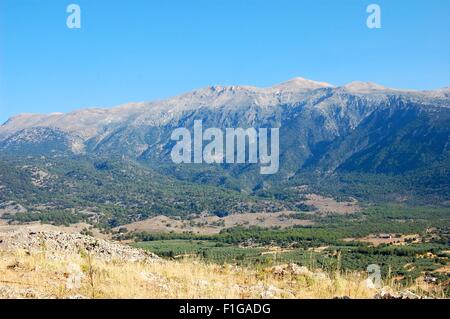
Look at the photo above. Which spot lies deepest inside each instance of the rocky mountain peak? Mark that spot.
(299, 83)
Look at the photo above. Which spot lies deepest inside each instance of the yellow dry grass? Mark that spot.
(45, 276)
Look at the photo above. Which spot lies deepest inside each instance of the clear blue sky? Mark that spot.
(139, 50)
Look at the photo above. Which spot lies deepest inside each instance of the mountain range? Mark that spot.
(362, 139)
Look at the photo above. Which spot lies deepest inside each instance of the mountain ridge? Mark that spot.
(213, 96)
(326, 131)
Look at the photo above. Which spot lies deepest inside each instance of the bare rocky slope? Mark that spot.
(55, 243)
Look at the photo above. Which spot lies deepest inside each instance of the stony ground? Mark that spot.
(55, 243)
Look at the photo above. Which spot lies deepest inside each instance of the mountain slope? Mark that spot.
(328, 135)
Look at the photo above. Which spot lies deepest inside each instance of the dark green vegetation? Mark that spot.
(110, 192)
(210, 250)
(55, 217)
(251, 246)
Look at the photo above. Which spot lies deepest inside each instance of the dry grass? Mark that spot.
(208, 225)
(40, 276)
(326, 205)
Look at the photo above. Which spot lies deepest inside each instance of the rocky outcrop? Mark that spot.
(56, 243)
(387, 293)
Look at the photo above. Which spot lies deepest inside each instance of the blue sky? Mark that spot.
(139, 50)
